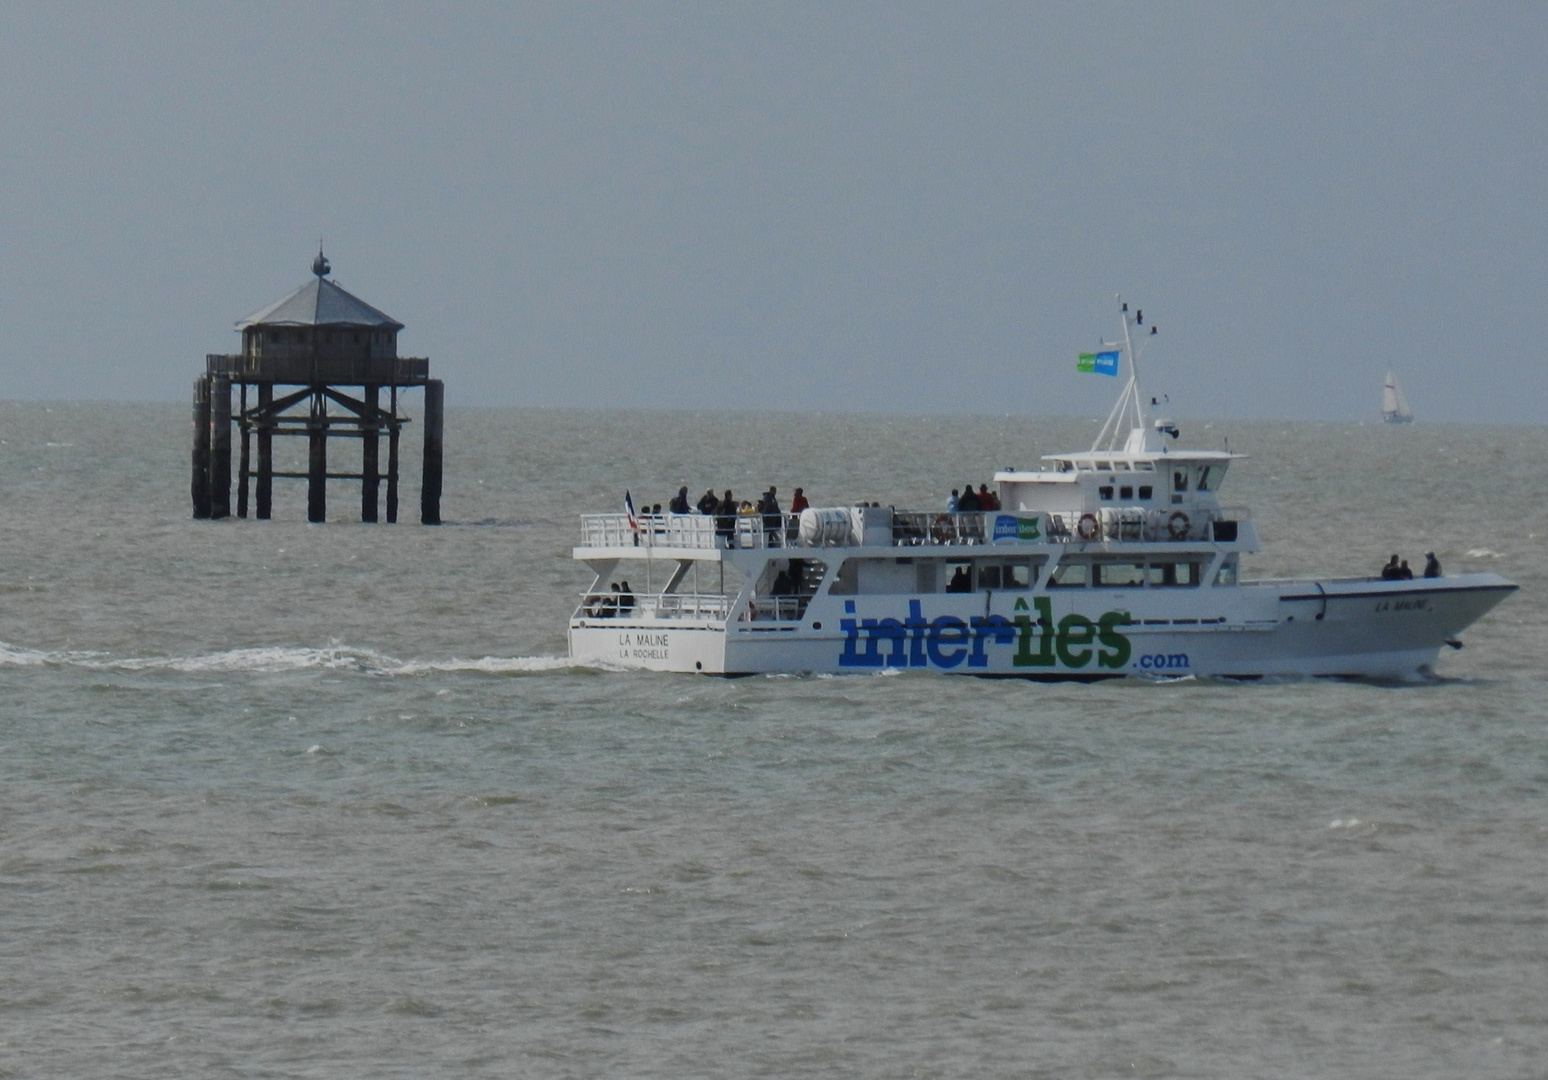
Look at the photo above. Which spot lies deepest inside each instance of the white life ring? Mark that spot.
(1088, 528)
(1177, 525)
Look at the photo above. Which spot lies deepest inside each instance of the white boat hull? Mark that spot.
(1358, 629)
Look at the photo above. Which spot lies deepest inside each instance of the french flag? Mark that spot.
(634, 521)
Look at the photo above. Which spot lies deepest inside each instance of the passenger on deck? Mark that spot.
(708, 503)
(968, 503)
(768, 506)
(725, 519)
(960, 582)
(679, 503)
(1390, 571)
(1431, 565)
(798, 501)
(1404, 573)
(987, 500)
(609, 606)
(782, 584)
(951, 503)
(625, 600)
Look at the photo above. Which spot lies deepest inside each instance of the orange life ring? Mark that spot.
(1177, 525)
(1087, 528)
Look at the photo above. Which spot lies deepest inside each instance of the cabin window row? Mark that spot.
(908, 576)
(1157, 574)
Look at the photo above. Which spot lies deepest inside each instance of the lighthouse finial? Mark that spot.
(320, 265)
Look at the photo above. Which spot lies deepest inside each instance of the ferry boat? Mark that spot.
(1117, 561)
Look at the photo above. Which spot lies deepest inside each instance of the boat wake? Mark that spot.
(280, 658)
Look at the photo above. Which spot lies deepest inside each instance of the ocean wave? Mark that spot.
(280, 658)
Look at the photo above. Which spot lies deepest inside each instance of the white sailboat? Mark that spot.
(1394, 404)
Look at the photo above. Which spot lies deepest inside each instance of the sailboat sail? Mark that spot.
(1394, 404)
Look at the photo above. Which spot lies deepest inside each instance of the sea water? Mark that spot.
(280, 799)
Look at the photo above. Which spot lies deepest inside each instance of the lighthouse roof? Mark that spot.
(320, 303)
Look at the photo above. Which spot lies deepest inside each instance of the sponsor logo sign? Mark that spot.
(1011, 527)
(947, 641)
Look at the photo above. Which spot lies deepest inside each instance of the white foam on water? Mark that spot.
(11, 656)
(282, 658)
(492, 665)
(1483, 553)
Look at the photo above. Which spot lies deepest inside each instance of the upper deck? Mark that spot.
(697, 535)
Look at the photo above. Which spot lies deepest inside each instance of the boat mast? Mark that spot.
(1129, 410)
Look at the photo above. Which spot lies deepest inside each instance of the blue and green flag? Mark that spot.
(1098, 363)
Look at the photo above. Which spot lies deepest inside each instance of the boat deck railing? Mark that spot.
(657, 606)
(907, 528)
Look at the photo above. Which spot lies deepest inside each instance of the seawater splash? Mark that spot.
(281, 658)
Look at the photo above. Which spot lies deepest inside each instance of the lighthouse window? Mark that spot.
(1126, 492)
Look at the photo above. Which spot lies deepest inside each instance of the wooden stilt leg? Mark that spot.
(265, 487)
(244, 467)
(200, 488)
(220, 446)
(392, 462)
(369, 476)
(317, 463)
(430, 486)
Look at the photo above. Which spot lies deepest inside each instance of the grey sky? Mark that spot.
(828, 206)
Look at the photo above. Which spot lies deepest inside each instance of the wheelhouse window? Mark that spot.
(959, 577)
(1117, 575)
(1173, 573)
(1205, 477)
(1145, 492)
(1069, 575)
(1106, 492)
(847, 581)
(1226, 575)
(1126, 493)
(1180, 480)
(1015, 575)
